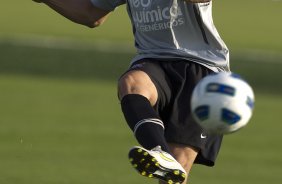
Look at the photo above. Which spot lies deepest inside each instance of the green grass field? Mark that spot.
(60, 118)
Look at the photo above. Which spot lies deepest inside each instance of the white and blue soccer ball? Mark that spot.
(222, 103)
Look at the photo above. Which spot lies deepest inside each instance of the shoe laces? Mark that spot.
(158, 149)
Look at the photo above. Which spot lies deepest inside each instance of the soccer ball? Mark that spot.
(222, 103)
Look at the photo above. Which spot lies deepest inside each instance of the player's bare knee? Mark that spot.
(128, 84)
(137, 82)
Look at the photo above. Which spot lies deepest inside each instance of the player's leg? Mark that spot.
(138, 95)
(137, 82)
(185, 155)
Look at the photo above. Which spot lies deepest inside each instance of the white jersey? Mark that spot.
(174, 29)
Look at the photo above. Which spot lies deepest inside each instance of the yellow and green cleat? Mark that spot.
(157, 164)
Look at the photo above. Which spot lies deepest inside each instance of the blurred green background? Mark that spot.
(60, 120)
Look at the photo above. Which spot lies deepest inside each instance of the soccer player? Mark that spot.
(177, 45)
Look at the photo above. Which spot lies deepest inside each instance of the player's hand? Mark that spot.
(197, 1)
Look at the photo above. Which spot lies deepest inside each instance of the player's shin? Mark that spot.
(144, 121)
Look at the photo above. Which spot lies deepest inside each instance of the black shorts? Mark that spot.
(175, 81)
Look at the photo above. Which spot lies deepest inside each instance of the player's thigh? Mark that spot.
(184, 154)
(137, 82)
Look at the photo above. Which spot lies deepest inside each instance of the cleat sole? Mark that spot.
(146, 165)
(176, 172)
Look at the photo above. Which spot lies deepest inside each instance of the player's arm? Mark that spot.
(79, 11)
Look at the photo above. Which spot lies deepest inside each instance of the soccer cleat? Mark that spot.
(156, 163)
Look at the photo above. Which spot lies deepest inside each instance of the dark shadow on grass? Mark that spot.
(91, 64)
(78, 64)
(263, 76)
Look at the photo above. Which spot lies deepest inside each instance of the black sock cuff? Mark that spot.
(144, 121)
(137, 109)
(134, 99)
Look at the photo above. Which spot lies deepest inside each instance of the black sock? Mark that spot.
(144, 121)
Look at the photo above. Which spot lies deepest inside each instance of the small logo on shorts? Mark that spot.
(203, 136)
(140, 65)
